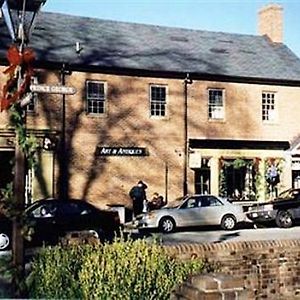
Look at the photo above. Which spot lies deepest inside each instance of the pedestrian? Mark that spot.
(156, 202)
(153, 202)
(138, 196)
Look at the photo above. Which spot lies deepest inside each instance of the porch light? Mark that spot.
(19, 16)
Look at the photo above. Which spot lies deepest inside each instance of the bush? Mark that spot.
(121, 270)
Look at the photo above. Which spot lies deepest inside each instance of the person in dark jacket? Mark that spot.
(138, 195)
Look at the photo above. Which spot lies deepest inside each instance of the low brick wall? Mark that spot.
(211, 287)
(269, 269)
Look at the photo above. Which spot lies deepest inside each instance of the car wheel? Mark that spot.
(4, 241)
(228, 222)
(284, 219)
(167, 225)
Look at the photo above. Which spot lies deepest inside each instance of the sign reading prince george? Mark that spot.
(121, 151)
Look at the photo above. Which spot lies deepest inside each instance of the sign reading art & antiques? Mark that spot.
(121, 151)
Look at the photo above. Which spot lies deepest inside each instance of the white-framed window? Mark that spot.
(158, 100)
(95, 97)
(269, 109)
(216, 107)
(31, 106)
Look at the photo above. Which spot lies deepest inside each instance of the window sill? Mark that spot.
(270, 122)
(165, 118)
(93, 115)
(217, 120)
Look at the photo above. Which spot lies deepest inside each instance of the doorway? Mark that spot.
(202, 177)
(6, 167)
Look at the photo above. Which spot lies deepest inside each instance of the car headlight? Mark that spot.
(149, 216)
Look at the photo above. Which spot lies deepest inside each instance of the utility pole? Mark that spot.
(19, 17)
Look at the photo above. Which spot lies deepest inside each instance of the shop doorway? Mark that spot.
(296, 178)
(6, 167)
(202, 177)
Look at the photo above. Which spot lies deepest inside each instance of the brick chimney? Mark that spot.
(270, 22)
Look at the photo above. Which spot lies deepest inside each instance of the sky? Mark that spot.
(235, 16)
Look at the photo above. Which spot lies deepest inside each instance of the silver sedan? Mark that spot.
(193, 210)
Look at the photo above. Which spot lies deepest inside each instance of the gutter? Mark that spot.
(162, 74)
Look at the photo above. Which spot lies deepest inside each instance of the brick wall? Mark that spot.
(269, 269)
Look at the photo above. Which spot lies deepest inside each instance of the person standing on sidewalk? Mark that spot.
(138, 196)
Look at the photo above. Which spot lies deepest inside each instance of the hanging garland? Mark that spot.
(18, 62)
(19, 74)
(258, 176)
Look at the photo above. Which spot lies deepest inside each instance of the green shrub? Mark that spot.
(121, 270)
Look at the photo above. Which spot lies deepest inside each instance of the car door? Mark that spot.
(42, 218)
(68, 217)
(74, 216)
(296, 204)
(188, 213)
(210, 209)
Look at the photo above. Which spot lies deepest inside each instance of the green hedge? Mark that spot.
(121, 270)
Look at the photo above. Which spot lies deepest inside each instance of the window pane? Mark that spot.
(95, 97)
(268, 107)
(215, 104)
(158, 101)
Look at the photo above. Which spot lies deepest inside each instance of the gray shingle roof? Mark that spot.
(112, 44)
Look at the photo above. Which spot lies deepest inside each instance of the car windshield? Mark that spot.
(289, 194)
(175, 203)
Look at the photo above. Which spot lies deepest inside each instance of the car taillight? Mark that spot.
(268, 207)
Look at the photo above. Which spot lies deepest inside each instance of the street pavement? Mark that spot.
(214, 235)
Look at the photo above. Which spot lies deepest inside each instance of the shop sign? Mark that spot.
(53, 89)
(121, 151)
(194, 159)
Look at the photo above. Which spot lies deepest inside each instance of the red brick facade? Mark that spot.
(127, 123)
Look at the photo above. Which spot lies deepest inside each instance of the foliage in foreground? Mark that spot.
(121, 270)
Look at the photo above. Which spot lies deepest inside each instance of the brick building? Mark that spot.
(183, 110)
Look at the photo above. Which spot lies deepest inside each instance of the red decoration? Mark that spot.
(5, 104)
(24, 60)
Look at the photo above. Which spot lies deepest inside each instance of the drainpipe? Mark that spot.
(64, 171)
(187, 81)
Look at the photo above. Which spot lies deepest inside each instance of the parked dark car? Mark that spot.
(52, 219)
(283, 210)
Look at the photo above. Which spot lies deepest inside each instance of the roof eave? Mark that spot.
(164, 74)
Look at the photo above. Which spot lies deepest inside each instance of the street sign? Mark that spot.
(53, 89)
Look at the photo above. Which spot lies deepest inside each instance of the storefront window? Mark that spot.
(237, 179)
